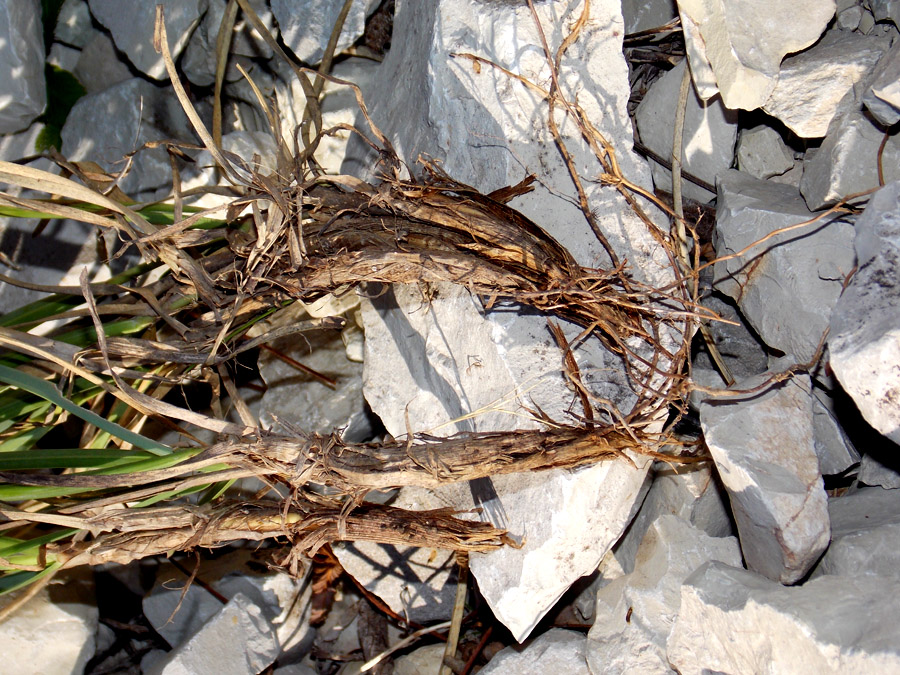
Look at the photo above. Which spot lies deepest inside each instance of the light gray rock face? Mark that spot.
(786, 287)
(306, 25)
(73, 24)
(874, 471)
(690, 492)
(556, 651)
(105, 126)
(636, 612)
(763, 447)
(829, 625)
(736, 46)
(813, 85)
(238, 639)
(132, 23)
(709, 133)
(645, 14)
(762, 154)
(865, 534)
(865, 327)
(53, 633)
(199, 62)
(283, 602)
(98, 66)
(438, 352)
(23, 93)
(847, 161)
(834, 449)
(883, 97)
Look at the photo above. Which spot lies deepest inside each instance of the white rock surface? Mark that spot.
(710, 131)
(132, 22)
(556, 651)
(692, 492)
(883, 97)
(865, 327)
(52, 634)
(645, 14)
(834, 449)
(237, 640)
(813, 85)
(736, 46)
(734, 621)
(306, 25)
(23, 92)
(786, 287)
(636, 612)
(865, 534)
(762, 153)
(847, 161)
(133, 112)
(487, 129)
(763, 447)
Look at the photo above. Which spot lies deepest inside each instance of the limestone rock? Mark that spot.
(880, 469)
(453, 360)
(762, 445)
(847, 161)
(134, 112)
(53, 633)
(762, 154)
(786, 287)
(557, 650)
(645, 14)
(73, 24)
(423, 661)
(736, 46)
(883, 97)
(885, 10)
(24, 92)
(829, 625)
(865, 534)
(834, 449)
(237, 639)
(691, 492)
(98, 66)
(306, 25)
(813, 85)
(710, 131)
(865, 327)
(132, 23)
(636, 612)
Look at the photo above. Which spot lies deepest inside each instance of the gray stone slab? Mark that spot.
(710, 131)
(763, 448)
(762, 153)
(306, 25)
(133, 22)
(883, 96)
(24, 92)
(865, 328)
(557, 650)
(787, 286)
(829, 625)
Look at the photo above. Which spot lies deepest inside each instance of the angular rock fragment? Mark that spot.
(736, 46)
(885, 10)
(489, 131)
(646, 14)
(847, 161)
(763, 447)
(879, 469)
(762, 154)
(709, 133)
(865, 534)
(813, 85)
(106, 126)
(834, 449)
(132, 24)
(829, 625)
(883, 96)
(636, 612)
(23, 92)
(98, 66)
(865, 326)
(787, 286)
(557, 650)
(237, 639)
(73, 24)
(306, 25)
